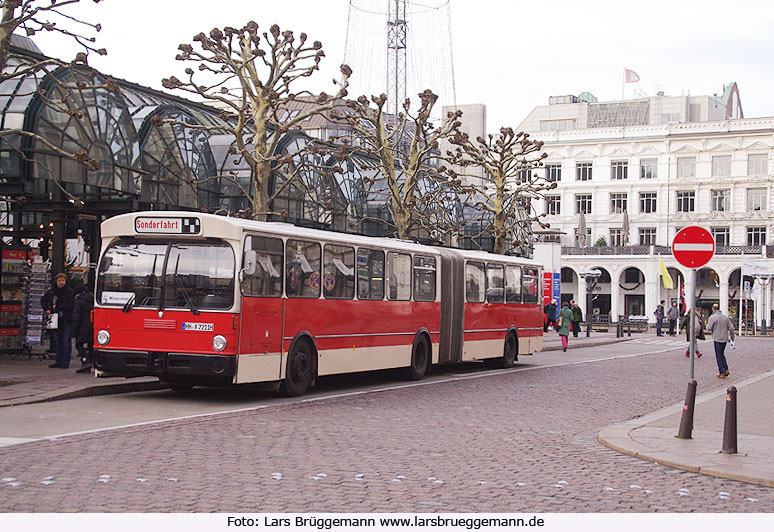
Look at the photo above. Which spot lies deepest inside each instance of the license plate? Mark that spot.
(189, 326)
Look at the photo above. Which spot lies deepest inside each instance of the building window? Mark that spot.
(647, 236)
(721, 235)
(720, 200)
(583, 203)
(757, 164)
(553, 172)
(647, 202)
(648, 168)
(619, 170)
(553, 204)
(583, 172)
(616, 237)
(524, 176)
(686, 201)
(756, 236)
(686, 167)
(756, 199)
(721, 166)
(617, 203)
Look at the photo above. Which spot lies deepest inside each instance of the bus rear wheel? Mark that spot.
(420, 359)
(298, 373)
(510, 353)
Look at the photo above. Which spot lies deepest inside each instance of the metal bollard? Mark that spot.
(618, 330)
(629, 326)
(729, 425)
(686, 421)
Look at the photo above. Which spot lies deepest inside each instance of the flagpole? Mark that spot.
(741, 284)
(623, 85)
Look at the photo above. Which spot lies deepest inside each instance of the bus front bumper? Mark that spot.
(167, 366)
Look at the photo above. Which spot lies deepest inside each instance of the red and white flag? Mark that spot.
(631, 76)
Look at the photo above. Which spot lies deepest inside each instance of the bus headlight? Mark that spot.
(219, 343)
(103, 337)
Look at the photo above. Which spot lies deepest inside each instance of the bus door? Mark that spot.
(262, 302)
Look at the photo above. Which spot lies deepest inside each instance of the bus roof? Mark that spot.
(163, 224)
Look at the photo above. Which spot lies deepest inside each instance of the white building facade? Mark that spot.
(663, 175)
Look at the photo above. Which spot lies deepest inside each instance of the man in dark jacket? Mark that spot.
(550, 311)
(83, 330)
(60, 301)
(577, 318)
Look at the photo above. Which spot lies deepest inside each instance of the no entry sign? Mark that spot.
(693, 246)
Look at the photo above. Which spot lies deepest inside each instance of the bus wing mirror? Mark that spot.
(250, 262)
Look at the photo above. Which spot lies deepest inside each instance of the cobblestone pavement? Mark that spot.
(507, 442)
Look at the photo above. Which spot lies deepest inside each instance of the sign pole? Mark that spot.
(692, 320)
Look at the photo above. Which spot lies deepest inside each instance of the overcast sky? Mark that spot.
(509, 55)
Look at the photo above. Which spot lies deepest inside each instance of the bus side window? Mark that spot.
(302, 269)
(513, 284)
(424, 278)
(530, 285)
(475, 282)
(339, 272)
(266, 281)
(494, 288)
(370, 274)
(398, 276)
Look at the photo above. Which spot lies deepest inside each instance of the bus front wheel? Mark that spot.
(298, 373)
(420, 359)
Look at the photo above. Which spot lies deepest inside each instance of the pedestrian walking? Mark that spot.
(659, 313)
(699, 332)
(577, 318)
(550, 311)
(672, 315)
(83, 330)
(564, 323)
(60, 300)
(721, 328)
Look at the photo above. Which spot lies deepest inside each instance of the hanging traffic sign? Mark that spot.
(693, 246)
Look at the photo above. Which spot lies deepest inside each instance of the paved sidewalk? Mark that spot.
(652, 437)
(29, 380)
(553, 342)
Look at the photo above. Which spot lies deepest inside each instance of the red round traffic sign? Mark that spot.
(693, 246)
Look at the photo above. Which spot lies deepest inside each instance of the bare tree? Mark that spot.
(402, 145)
(504, 196)
(253, 77)
(33, 17)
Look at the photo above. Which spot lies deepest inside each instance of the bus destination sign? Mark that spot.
(166, 225)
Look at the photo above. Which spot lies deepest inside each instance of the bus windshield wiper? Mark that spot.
(129, 303)
(184, 291)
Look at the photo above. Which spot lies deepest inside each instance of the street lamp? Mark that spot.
(764, 279)
(590, 276)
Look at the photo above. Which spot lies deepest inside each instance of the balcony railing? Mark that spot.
(660, 250)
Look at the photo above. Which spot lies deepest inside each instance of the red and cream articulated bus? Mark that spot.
(199, 299)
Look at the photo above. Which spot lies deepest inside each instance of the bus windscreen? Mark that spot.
(187, 275)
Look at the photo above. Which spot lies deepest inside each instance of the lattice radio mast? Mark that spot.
(396, 54)
(400, 48)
